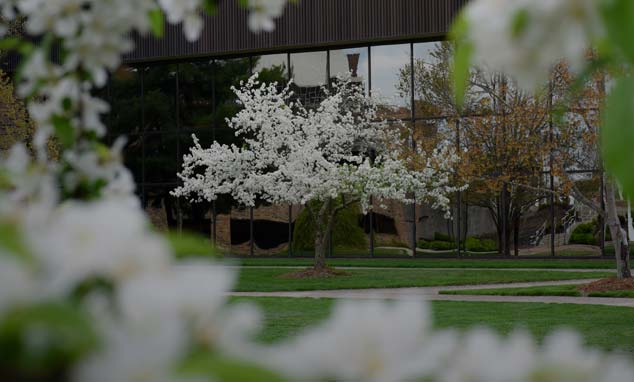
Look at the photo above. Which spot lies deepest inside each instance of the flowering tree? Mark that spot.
(528, 38)
(88, 292)
(325, 158)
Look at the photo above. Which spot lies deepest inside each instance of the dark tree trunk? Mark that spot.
(516, 234)
(619, 236)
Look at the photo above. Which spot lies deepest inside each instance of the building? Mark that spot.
(169, 89)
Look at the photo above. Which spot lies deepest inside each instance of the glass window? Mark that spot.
(133, 156)
(391, 80)
(353, 61)
(161, 160)
(272, 68)
(196, 95)
(228, 73)
(125, 102)
(161, 208)
(309, 73)
(433, 94)
(159, 97)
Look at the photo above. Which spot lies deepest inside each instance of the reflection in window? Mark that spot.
(309, 73)
(353, 61)
(390, 81)
(196, 81)
(432, 83)
(161, 208)
(160, 158)
(125, 102)
(133, 156)
(271, 68)
(159, 97)
(228, 73)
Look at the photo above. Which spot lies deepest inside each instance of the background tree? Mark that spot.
(503, 134)
(326, 158)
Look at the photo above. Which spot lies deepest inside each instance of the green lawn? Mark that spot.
(437, 263)
(559, 290)
(269, 279)
(603, 326)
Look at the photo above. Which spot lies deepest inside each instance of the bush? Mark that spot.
(586, 228)
(436, 245)
(443, 237)
(442, 245)
(474, 244)
(583, 238)
(346, 231)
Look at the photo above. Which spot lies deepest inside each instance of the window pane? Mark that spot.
(160, 157)
(161, 207)
(309, 73)
(354, 61)
(228, 73)
(125, 115)
(133, 156)
(433, 95)
(390, 79)
(196, 96)
(159, 100)
(272, 68)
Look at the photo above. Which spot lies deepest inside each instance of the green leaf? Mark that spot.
(210, 6)
(617, 134)
(44, 339)
(187, 245)
(461, 66)
(618, 16)
(519, 23)
(16, 44)
(221, 369)
(11, 240)
(157, 22)
(64, 130)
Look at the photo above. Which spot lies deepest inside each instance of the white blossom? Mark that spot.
(362, 341)
(294, 155)
(263, 13)
(80, 241)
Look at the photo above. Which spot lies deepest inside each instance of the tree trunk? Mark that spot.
(320, 251)
(323, 226)
(619, 237)
(516, 234)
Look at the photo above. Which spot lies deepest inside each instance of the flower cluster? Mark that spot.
(80, 41)
(147, 310)
(295, 155)
(525, 38)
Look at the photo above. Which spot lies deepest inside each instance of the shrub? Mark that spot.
(441, 245)
(474, 244)
(583, 238)
(422, 244)
(346, 230)
(438, 236)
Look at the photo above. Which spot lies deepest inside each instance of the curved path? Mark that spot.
(432, 294)
(579, 270)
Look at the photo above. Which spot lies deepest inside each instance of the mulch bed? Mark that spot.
(606, 285)
(315, 273)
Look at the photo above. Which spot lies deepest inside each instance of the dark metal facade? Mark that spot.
(306, 24)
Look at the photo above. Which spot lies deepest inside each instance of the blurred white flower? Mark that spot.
(362, 341)
(135, 351)
(263, 14)
(525, 38)
(17, 283)
(96, 239)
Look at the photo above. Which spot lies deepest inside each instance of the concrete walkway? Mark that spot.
(432, 294)
(581, 270)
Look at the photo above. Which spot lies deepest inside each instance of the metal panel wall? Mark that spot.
(306, 24)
